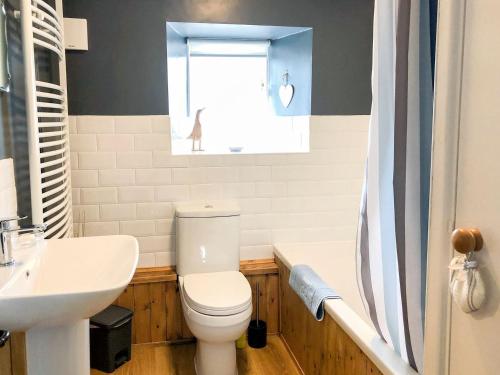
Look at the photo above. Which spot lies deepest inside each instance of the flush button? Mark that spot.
(209, 206)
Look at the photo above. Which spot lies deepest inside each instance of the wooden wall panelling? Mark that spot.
(126, 299)
(318, 347)
(178, 329)
(157, 292)
(142, 313)
(154, 297)
(264, 272)
(172, 318)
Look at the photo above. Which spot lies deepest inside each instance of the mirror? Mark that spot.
(4, 61)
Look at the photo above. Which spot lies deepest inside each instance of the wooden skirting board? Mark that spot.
(153, 295)
(317, 347)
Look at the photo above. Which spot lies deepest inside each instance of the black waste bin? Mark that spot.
(110, 338)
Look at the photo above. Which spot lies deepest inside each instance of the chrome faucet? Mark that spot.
(6, 258)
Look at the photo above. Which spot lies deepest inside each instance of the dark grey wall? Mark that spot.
(293, 55)
(125, 70)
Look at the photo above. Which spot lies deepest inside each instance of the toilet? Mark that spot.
(216, 298)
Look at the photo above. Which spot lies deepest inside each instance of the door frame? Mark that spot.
(445, 148)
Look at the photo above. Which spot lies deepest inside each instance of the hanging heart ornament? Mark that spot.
(286, 94)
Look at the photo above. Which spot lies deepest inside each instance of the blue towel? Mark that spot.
(311, 289)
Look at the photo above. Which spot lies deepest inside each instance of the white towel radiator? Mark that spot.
(47, 116)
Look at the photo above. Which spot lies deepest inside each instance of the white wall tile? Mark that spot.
(271, 159)
(126, 181)
(85, 213)
(160, 124)
(95, 124)
(101, 229)
(84, 178)
(152, 244)
(74, 160)
(206, 160)
(337, 187)
(163, 159)
(172, 193)
(256, 252)
(255, 174)
(255, 237)
(115, 142)
(152, 142)
(75, 196)
(164, 259)
(255, 205)
(146, 260)
(136, 159)
(270, 189)
(138, 227)
(258, 221)
(117, 177)
(238, 190)
(219, 174)
(205, 191)
(96, 160)
(98, 195)
(136, 194)
(165, 226)
(121, 211)
(238, 160)
(82, 142)
(158, 176)
(187, 176)
(154, 210)
(72, 124)
(132, 124)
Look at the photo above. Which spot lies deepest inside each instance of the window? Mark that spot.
(225, 85)
(228, 80)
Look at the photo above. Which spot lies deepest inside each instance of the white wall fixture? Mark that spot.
(75, 34)
(286, 91)
(47, 117)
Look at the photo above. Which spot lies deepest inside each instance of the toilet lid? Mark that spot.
(217, 293)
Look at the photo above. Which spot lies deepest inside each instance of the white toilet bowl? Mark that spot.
(217, 308)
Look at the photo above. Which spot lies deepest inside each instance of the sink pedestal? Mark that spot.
(59, 350)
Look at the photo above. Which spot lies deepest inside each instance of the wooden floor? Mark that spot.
(164, 359)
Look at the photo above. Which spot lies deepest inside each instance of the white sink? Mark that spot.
(52, 290)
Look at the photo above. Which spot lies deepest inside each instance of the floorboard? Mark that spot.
(164, 359)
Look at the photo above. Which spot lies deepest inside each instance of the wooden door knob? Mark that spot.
(465, 240)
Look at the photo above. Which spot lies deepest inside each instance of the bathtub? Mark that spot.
(335, 263)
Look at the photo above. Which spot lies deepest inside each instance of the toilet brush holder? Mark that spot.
(257, 330)
(257, 334)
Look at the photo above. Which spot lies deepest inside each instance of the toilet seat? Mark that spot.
(217, 293)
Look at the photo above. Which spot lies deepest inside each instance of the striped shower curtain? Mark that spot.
(392, 230)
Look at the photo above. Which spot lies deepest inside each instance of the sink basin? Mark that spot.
(52, 290)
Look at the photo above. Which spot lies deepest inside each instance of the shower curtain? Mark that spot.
(392, 230)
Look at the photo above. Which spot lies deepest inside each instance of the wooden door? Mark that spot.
(475, 338)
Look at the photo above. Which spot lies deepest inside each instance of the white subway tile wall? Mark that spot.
(125, 181)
